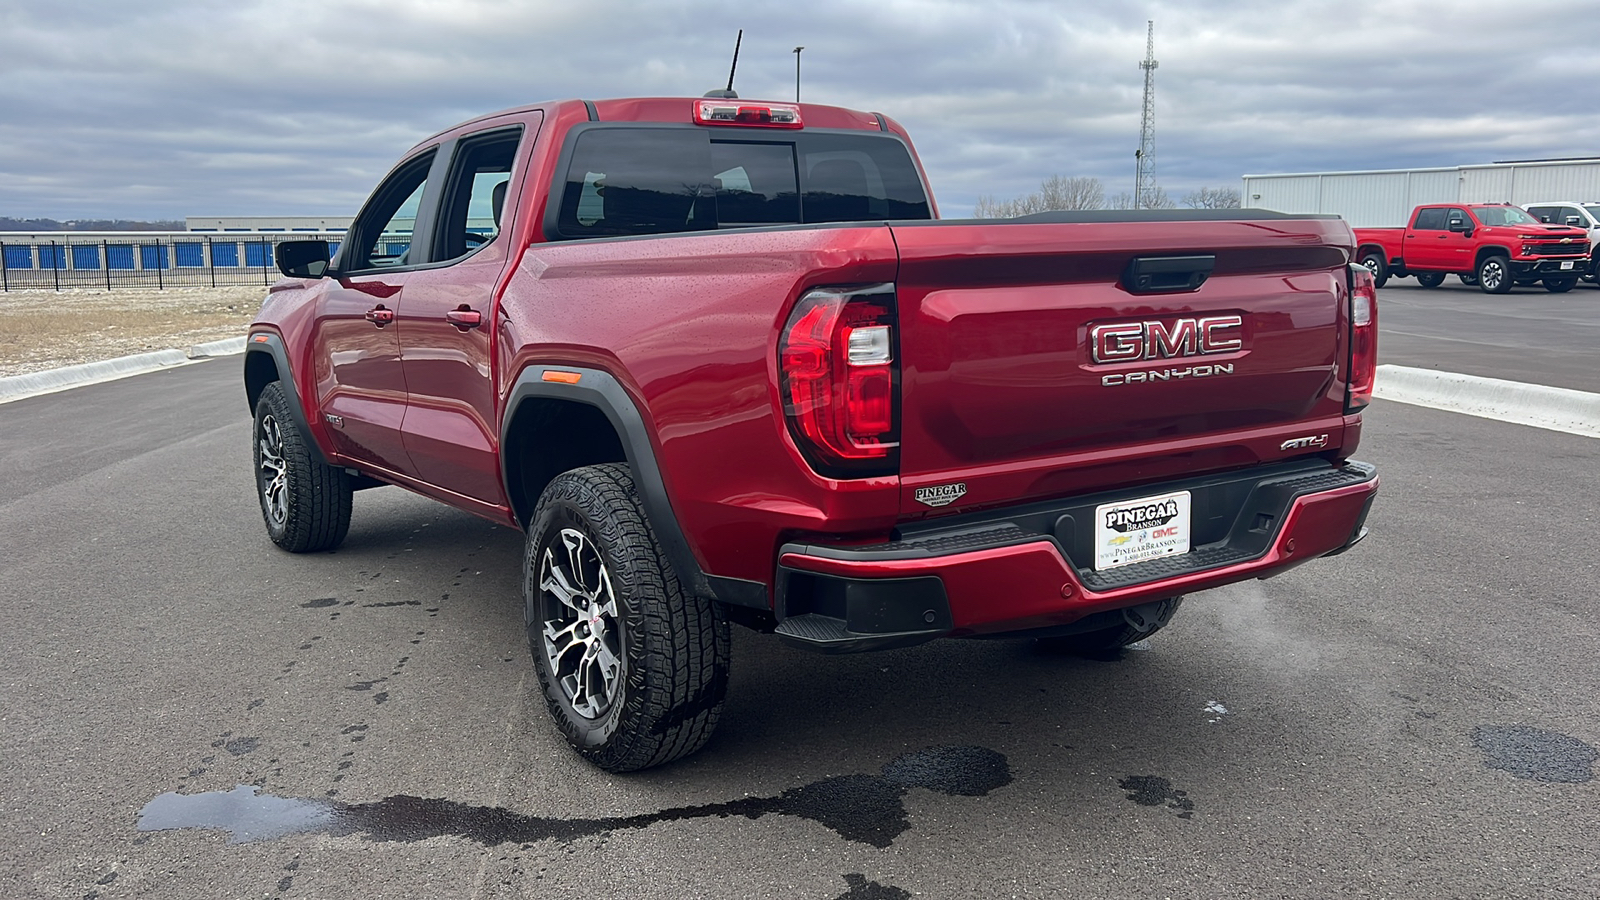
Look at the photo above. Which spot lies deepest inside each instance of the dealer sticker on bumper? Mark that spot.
(1139, 530)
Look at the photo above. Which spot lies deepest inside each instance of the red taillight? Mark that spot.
(840, 380)
(1363, 338)
(737, 112)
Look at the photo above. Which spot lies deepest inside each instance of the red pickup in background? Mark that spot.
(1492, 245)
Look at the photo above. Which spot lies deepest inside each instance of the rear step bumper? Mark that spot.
(1029, 568)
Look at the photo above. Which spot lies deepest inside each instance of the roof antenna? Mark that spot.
(728, 93)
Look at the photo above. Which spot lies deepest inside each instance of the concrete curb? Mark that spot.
(1552, 408)
(224, 347)
(16, 387)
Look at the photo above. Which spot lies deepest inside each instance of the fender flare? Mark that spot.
(599, 389)
(273, 346)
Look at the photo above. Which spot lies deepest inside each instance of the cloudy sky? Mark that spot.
(167, 108)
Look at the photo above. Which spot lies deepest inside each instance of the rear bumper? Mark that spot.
(1025, 569)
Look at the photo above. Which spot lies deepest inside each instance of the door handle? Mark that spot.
(464, 317)
(380, 315)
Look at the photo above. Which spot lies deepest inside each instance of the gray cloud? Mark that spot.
(197, 108)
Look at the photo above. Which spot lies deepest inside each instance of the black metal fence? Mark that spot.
(144, 260)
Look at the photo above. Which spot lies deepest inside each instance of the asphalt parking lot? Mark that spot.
(187, 712)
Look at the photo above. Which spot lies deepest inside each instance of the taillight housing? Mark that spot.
(839, 378)
(1363, 318)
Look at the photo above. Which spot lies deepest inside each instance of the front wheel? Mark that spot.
(1430, 279)
(1560, 285)
(1494, 275)
(1137, 623)
(633, 667)
(305, 504)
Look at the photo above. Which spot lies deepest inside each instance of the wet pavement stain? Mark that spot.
(1535, 754)
(1152, 790)
(867, 809)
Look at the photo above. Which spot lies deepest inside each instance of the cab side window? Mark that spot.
(475, 193)
(381, 235)
(1430, 219)
(1550, 215)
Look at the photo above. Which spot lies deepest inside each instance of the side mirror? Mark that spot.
(1457, 225)
(302, 259)
(1575, 221)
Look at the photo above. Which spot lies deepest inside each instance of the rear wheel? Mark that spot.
(1469, 279)
(1430, 279)
(1560, 285)
(1138, 623)
(633, 667)
(1494, 275)
(1374, 260)
(305, 504)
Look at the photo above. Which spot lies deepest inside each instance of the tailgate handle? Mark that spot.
(1163, 274)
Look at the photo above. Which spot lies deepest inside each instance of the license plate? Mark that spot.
(1135, 531)
(1567, 264)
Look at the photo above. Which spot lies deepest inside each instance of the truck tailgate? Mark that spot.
(1006, 397)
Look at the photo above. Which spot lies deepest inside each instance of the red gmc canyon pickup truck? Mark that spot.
(1492, 245)
(721, 362)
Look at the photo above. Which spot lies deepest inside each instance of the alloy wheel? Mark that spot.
(273, 472)
(1492, 275)
(582, 634)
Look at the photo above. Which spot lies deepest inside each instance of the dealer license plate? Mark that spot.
(1139, 530)
(1567, 264)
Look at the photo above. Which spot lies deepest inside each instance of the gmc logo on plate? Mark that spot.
(1165, 339)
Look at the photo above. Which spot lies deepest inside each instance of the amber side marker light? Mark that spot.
(261, 338)
(563, 377)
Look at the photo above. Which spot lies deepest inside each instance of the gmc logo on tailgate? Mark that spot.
(1165, 339)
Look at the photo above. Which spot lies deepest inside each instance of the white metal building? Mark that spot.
(1386, 197)
(269, 223)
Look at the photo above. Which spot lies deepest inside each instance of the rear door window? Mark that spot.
(1430, 219)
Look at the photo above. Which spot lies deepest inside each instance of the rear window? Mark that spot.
(630, 180)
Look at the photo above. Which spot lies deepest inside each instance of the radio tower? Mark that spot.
(1144, 179)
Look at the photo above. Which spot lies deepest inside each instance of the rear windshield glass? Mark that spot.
(624, 181)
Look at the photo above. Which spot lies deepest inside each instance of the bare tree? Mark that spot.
(1212, 198)
(1158, 199)
(1054, 193)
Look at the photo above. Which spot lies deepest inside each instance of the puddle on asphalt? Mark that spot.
(1153, 790)
(868, 809)
(1535, 754)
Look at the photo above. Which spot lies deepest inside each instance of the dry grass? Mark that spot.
(45, 330)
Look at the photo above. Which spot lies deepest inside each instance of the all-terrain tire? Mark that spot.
(1560, 285)
(1374, 261)
(1430, 279)
(304, 503)
(1494, 275)
(1134, 627)
(634, 668)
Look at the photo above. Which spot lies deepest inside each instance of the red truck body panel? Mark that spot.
(1001, 391)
